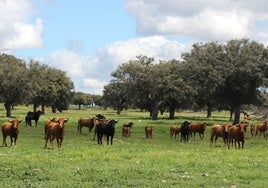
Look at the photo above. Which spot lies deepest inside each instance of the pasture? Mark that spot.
(129, 162)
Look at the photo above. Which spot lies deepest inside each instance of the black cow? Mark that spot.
(107, 129)
(185, 131)
(32, 116)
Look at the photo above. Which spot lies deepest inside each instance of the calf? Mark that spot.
(149, 132)
(56, 130)
(174, 131)
(106, 128)
(185, 131)
(126, 129)
(85, 122)
(11, 129)
(198, 128)
(219, 131)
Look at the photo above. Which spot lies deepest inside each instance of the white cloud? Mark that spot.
(16, 29)
(91, 72)
(203, 20)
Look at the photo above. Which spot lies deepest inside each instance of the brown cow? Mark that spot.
(174, 130)
(198, 128)
(56, 130)
(237, 133)
(47, 123)
(262, 129)
(126, 129)
(219, 131)
(11, 129)
(149, 131)
(86, 122)
(253, 129)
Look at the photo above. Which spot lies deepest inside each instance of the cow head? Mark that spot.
(15, 123)
(62, 121)
(225, 127)
(112, 122)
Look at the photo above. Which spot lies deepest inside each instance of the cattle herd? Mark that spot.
(55, 128)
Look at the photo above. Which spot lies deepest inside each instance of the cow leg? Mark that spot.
(112, 139)
(46, 141)
(58, 142)
(4, 141)
(15, 141)
(107, 138)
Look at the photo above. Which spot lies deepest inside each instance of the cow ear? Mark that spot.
(66, 120)
(20, 120)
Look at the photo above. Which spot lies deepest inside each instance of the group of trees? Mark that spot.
(33, 83)
(212, 75)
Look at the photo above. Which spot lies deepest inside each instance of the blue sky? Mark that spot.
(90, 39)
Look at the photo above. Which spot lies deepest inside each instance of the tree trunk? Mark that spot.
(54, 110)
(154, 109)
(43, 109)
(231, 115)
(209, 111)
(8, 109)
(237, 114)
(79, 106)
(172, 113)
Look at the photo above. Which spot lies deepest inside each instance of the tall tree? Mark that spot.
(203, 71)
(245, 62)
(14, 86)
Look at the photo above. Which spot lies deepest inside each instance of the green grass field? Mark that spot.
(130, 162)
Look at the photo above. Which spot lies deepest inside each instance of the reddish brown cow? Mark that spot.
(198, 128)
(262, 129)
(86, 122)
(126, 131)
(174, 130)
(253, 129)
(56, 130)
(47, 123)
(149, 131)
(219, 131)
(11, 129)
(237, 133)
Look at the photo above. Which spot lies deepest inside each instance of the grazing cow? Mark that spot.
(32, 116)
(237, 133)
(219, 131)
(126, 129)
(106, 128)
(198, 128)
(174, 130)
(149, 132)
(185, 131)
(262, 129)
(86, 122)
(253, 129)
(11, 129)
(56, 130)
